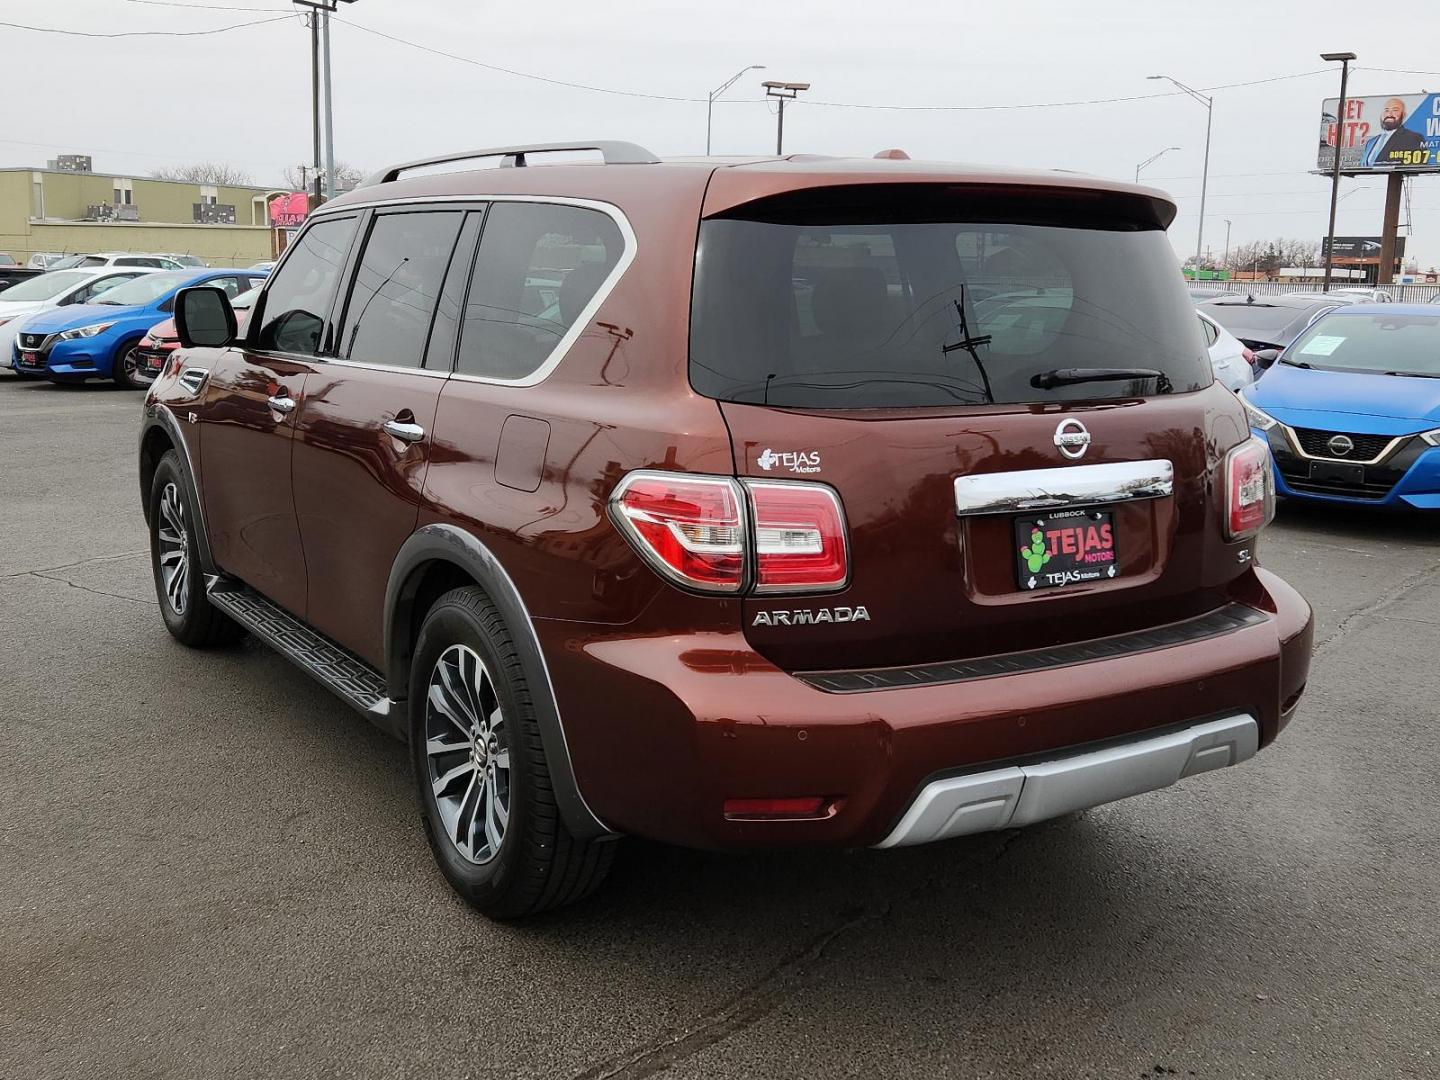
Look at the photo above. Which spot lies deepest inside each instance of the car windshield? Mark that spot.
(1394, 344)
(1253, 317)
(45, 286)
(70, 260)
(883, 301)
(147, 288)
(245, 299)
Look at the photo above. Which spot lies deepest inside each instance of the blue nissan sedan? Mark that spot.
(89, 341)
(1351, 409)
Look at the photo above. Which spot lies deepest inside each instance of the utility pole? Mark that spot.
(320, 12)
(710, 104)
(1344, 58)
(783, 92)
(1225, 262)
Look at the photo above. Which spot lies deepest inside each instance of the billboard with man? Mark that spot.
(1381, 134)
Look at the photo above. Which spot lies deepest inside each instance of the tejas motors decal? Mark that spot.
(811, 616)
(796, 461)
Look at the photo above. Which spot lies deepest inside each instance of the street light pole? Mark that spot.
(320, 11)
(1344, 58)
(1209, 103)
(1151, 161)
(783, 92)
(1225, 260)
(329, 110)
(710, 104)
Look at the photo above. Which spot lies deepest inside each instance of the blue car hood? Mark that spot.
(68, 318)
(1354, 401)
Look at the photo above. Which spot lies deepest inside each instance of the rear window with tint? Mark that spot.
(867, 307)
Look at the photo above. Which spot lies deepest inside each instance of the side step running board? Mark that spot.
(337, 669)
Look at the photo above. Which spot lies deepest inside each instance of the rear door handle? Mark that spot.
(404, 432)
(283, 403)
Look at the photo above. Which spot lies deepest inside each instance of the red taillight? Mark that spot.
(717, 534)
(799, 537)
(1248, 355)
(1249, 489)
(688, 527)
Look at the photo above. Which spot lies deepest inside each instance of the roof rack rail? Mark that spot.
(614, 153)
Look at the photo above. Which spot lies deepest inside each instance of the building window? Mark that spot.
(124, 193)
(209, 193)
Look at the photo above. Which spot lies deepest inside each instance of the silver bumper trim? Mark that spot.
(1073, 485)
(1023, 794)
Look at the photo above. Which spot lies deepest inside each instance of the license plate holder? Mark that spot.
(1337, 472)
(1065, 548)
(29, 359)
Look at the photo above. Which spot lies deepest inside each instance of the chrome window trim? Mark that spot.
(1294, 441)
(1063, 487)
(582, 320)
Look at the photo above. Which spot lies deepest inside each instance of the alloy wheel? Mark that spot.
(467, 748)
(135, 373)
(174, 547)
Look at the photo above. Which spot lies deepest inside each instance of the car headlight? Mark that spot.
(1259, 418)
(85, 331)
(1431, 437)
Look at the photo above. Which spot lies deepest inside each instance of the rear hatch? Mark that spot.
(889, 340)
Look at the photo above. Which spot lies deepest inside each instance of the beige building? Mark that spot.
(69, 212)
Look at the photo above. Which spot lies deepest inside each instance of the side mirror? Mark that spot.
(1265, 357)
(203, 316)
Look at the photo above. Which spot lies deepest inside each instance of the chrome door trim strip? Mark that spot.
(1067, 486)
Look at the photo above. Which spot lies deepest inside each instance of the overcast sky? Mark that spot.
(141, 103)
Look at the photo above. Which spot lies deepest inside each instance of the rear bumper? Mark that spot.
(664, 729)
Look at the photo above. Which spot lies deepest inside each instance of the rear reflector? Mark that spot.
(689, 528)
(799, 537)
(805, 807)
(1249, 489)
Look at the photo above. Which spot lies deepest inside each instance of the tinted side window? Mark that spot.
(538, 266)
(440, 353)
(298, 300)
(396, 287)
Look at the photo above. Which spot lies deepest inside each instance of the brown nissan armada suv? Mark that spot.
(732, 503)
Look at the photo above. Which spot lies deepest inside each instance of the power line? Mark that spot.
(144, 33)
(200, 7)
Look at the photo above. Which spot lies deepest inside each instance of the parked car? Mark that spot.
(1351, 411)
(43, 260)
(116, 258)
(13, 275)
(185, 260)
(1369, 296)
(1234, 364)
(1265, 324)
(61, 288)
(7, 259)
(688, 559)
(99, 339)
(161, 340)
(1204, 292)
(266, 265)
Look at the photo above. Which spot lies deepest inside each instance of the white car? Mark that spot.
(1234, 364)
(117, 258)
(41, 260)
(58, 288)
(1367, 296)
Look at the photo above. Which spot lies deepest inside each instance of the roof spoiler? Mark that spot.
(613, 152)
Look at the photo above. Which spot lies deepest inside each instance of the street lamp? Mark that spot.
(710, 104)
(782, 92)
(320, 30)
(1209, 103)
(1344, 58)
(1151, 161)
(1225, 259)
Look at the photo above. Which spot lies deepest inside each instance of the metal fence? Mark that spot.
(1405, 294)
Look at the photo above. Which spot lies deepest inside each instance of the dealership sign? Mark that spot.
(288, 211)
(1382, 133)
(1361, 248)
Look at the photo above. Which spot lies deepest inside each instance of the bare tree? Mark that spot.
(204, 172)
(346, 175)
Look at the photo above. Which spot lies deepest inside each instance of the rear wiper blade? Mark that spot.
(1047, 380)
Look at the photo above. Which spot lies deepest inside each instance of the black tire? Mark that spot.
(186, 609)
(127, 368)
(536, 864)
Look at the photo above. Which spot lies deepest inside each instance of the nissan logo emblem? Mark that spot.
(1072, 438)
(1340, 445)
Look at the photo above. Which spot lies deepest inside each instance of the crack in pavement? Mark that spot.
(83, 588)
(73, 565)
(761, 998)
(1388, 597)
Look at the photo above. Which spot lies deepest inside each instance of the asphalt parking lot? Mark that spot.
(212, 868)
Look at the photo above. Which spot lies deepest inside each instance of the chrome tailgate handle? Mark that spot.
(409, 433)
(282, 403)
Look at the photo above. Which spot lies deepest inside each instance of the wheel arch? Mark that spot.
(159, 434)
(437, 558)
